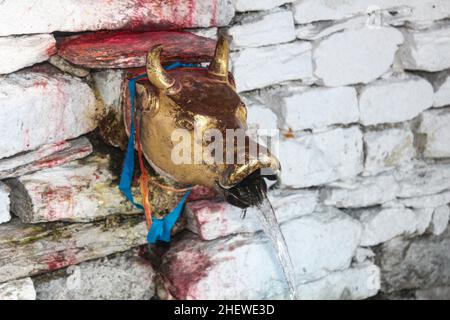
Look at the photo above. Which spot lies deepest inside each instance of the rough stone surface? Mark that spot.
(78, 191)
(439, 222)
(122, 277)
(257, 5)
(355, 56)
(126, 49)
(427, 50)
(20, 52)
(394, 100)
(47, 16)
(361, 192)
(438, 293)
(22, 289)
(109, 85)
(50, 246)
(316, 108)
(419, 263)
(382, 225)
(387, 149)
(431, 201)
(42, 106)
(420, 11)
(359, 282)
(66, 66)
(442, 94)
(422, 179)
(262, 30)
(261, 117)
(46, 156)
(435, 128)
(4, 203)
(280, 63)
(314, 159)
(319, 244)
(212, 219)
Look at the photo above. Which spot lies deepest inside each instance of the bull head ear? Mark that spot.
(219, 65)
(155, 72)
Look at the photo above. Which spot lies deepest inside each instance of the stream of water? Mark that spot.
(272, 229)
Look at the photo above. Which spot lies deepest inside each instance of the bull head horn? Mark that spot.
(219, 65)
(155, 72)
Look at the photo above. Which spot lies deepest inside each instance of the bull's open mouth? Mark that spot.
(251, 191)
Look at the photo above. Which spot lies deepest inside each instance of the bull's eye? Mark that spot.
(185, 124)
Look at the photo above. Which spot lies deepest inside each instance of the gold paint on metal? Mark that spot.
(195, 99)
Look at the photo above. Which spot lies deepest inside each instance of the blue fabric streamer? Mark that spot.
(161, 228)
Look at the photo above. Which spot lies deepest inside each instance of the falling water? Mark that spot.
(252, 192)
(271, 228)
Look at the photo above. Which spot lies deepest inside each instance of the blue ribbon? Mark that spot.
(161, 228)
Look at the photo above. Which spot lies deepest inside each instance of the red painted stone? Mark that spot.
(126, 49)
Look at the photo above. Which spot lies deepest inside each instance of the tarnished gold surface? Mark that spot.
(194, 99)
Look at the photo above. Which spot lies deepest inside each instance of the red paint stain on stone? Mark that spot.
(192, 13)
(202, 193)
(125, 49)
(214, 13)
(51, 50)
(62, 258)
(58, 202)
(184, 270)
(40, 84)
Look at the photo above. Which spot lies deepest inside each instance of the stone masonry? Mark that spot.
(359, 91)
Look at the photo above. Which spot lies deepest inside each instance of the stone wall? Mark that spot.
(360, 91)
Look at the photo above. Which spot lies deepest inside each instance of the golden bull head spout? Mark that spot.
(193, 129)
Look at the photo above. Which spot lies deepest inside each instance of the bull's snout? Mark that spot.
(267, 164)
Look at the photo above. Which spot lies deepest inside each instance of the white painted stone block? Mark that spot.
(359, 282)
(22, 289)
(362, 192)
(46, 156)
(423, 179)
(20, 52)
(439, 222)
(382, 225)
(255, 68)
(261, 30)
(5, 216)
(212, 219)
(79, 191)
(42, 106)
(317, 108)
(314, 159)
(261, 117)
(319, 30)
(258, 5)
(319, 244)
(435, 126)
(442, 94)
(431, 201)
(421, 11)
(355, 56)
(122, 277)
(387, 149)
(394, 100)
(427, 50)
(46, 16)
